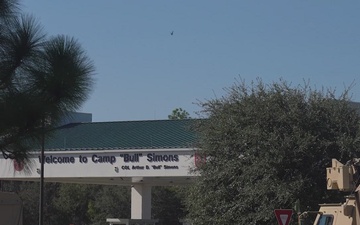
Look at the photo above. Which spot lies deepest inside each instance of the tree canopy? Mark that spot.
(72, 203)
(41, 78)
(266, 147)
(179, 114)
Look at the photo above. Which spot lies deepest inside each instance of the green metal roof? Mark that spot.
(151, 134)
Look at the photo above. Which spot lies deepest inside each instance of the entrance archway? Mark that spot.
(140, 154)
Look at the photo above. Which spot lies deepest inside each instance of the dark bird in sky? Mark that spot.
(172, 32)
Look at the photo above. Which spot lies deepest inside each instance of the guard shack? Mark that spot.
(140, 154)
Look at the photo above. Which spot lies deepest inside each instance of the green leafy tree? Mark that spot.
(266, 147)
(41, 78)
(110, 202)
(179, 114)
(72, 203)
(29, 195)
(168, 205)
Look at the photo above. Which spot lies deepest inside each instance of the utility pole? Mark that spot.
(42, 156)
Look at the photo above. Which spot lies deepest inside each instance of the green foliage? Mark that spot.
(72, 203)
(81, 204)
(179, 114)
(41, 79)
(168, 204)
(110, 202)
(29, 194)
(266, 147)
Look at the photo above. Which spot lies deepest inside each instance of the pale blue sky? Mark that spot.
(143, 72)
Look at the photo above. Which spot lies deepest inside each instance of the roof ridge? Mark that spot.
(132, 121)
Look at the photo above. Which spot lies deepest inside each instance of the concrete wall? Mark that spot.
(10, 209)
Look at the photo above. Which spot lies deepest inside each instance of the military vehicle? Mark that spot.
(342, 177)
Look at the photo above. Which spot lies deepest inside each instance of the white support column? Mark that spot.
(140, 201)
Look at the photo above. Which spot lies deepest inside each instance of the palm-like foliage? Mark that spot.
(40, 79)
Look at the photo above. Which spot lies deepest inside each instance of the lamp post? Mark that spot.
(42, 156)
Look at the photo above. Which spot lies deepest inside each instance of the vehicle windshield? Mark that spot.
(325, 220)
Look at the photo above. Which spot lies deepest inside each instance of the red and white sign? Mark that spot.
(18, 166)
(199, 159)
(283, 216)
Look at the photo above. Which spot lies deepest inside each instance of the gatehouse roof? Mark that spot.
(147, 134)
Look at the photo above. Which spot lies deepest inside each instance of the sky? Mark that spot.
(143, 72)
